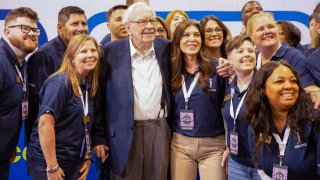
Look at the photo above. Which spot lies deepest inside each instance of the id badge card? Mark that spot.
(279, 172)
(88, 141)
(234, 143)
(25, 108)
(186, 119)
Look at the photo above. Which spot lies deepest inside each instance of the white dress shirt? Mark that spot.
(147, 83)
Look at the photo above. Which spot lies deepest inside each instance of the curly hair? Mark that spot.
(178, 62)
(259, 112)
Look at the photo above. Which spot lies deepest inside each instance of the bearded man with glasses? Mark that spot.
(19, 39)
(133, 107)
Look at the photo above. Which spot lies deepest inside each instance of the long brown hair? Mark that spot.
(67, 66)
(225, 31)
(259, 109)
(178, 62)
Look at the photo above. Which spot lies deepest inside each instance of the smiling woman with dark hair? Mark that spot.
(217, 35)
(198, 138)
(241, 53)
(283, 133)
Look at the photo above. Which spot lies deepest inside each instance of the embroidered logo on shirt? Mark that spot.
(211, 89)
(300, 145)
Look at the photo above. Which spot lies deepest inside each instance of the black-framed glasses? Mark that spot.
(161, 30)
(26, 29)
(144, 22)
(209, 31)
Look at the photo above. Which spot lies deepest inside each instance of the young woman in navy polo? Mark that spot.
(241, 53)
(198, 138)
(283, 132)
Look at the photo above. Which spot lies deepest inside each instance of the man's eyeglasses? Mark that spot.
(209, 31)
(144, 22)
(26, 29)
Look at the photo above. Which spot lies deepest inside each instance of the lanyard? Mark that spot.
(282, 144)
(234, 116)
(84, 105)
(86, 141)
(23, 79)
(186, 93)
(259, 58)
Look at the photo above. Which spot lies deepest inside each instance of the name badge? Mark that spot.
(227, 98)
(186, 119)
(18, 80)
(279, 172)
(25, 109)
(234, 143)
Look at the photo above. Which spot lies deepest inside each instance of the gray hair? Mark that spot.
(133, 9)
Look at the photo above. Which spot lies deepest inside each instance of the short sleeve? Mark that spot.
(54, 95)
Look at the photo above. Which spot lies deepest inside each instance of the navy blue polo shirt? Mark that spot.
(57, 97)
(309, 51)
(243, 156)
(43, 62)
(11, 99)
(300, 47)
(206, 106)
(301, 158)
(106, 39)
(296, 59)
(314, 65)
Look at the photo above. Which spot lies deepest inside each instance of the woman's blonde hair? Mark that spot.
(253, 18)
(68, 67)
(172, 13)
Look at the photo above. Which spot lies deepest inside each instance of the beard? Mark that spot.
(23, 45)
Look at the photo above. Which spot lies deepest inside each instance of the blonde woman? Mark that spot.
(60, 140)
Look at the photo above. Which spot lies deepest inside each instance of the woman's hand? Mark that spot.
(85, 169)
(224, 157)
(224, 68)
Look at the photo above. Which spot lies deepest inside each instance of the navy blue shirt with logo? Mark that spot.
(206, 106)
(296, 59)
(302, 158)
(41, 64)
(10, 101)
(242, 124)
(57, 97)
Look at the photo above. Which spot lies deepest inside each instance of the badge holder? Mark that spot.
(234, 143)
(186, 119)
(279, 172)
(25, 109)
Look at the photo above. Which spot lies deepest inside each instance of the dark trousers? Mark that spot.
(149, 154)
(103, 169)
(4, 170)
(38, 171)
